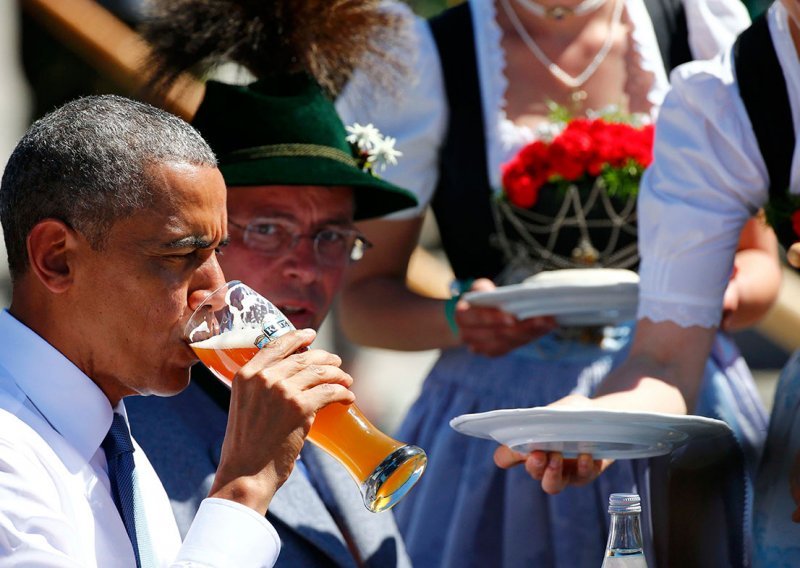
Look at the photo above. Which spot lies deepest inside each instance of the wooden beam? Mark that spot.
(114, 49)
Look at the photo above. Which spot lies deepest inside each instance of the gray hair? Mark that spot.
(87, 164)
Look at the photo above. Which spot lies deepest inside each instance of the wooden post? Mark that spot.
(113, 48)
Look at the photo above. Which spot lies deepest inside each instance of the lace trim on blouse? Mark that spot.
(682, 314)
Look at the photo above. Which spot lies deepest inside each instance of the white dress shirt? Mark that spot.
(56, 507)
(707, 179)
(417, 115)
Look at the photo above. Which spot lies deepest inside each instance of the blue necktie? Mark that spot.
(121, 472)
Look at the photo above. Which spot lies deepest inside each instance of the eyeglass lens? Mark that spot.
(332, 245)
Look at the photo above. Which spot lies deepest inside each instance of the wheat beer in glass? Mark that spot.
(233, 324)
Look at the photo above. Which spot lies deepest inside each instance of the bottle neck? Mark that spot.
(625, 536)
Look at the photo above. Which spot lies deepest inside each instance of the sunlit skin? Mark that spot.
(570, 43)
(793, 9)
(296, 282)
(118, 313)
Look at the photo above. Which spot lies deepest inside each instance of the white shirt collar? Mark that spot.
(68, 399)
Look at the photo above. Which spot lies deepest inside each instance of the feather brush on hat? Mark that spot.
(327, 39)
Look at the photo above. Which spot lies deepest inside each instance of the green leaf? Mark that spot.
(558, 113)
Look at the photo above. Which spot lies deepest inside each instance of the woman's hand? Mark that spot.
(661, 374)
(555, 472)
(730, 302)
(493, 332)
(755, 279)
(793, 255)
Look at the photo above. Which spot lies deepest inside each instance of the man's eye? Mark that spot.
(193, 255)
(330, 236)
(266, 229)
(179, 257)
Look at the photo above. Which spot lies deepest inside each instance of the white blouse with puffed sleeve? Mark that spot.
(707, 179)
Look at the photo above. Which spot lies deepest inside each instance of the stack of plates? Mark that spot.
(576, 297)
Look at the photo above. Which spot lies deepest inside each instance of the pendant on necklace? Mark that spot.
(558, 12)
(577, 96)
(585, 253)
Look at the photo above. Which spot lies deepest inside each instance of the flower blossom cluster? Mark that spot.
(372, 149)
(586, 148)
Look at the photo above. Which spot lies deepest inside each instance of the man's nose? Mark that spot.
(208, 278)
(301, 263)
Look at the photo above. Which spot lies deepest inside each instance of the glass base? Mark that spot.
(393, 478)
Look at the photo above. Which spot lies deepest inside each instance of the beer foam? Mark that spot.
(202, 328)
(234, 339)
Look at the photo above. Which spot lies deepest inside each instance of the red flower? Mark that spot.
(637, 144)
(522, 189)
(605, 146)
(645, 152)
(584, 148)
(536, 157)
(622, 145)
(796, 222)
(526, 173)
(572, 151)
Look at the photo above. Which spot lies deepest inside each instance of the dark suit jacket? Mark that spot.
(182, 437)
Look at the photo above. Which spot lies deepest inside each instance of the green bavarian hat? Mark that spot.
(287, 132)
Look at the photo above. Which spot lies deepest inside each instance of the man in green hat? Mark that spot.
(295, 187)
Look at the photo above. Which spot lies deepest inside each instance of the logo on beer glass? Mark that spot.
(272, 331)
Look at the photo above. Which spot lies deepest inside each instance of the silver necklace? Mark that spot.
(574, 83)
(560, 12)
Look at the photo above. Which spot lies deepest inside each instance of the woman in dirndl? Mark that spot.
(484, 73)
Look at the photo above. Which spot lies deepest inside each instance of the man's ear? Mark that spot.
(51, 248)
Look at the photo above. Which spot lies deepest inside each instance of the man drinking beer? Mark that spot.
(113, 213)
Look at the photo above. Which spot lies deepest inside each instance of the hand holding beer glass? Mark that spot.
(228, 330)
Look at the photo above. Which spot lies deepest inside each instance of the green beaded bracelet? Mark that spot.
(457, 288)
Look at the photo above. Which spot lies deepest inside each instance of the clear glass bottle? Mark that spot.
(624, 548)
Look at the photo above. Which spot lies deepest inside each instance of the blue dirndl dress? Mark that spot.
(777, 538)
(468, 512)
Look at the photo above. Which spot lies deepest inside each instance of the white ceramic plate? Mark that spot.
(602, 433)
(576, 297)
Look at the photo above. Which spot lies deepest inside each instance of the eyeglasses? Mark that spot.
(333, 246)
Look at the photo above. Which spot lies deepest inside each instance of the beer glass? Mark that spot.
(231, 326)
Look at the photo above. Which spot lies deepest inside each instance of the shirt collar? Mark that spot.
(68, 399)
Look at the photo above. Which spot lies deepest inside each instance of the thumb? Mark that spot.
(505, 457)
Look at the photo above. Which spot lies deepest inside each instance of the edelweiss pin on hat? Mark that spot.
(283, 129)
